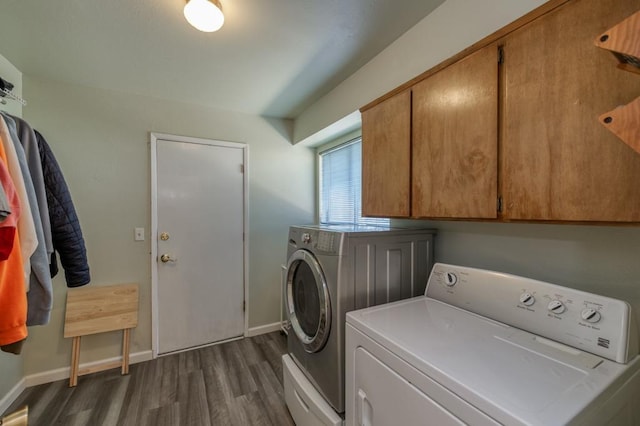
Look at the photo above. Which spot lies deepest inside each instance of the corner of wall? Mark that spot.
(345, 125)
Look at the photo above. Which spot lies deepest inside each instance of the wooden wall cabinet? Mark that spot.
(386, 157)
(558, 162)
(455, 139)
(525, 132)
(432, 151)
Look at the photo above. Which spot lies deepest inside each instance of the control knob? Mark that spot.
(527, 299)
(556, 306)
(590, 315)
(450, 279)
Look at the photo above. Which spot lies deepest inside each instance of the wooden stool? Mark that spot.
(100, 309)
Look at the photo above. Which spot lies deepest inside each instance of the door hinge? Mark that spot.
(500, 55)
(244, 306)
(241, 168)
(499, 205)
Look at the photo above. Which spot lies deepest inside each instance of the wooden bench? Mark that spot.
(100, 309)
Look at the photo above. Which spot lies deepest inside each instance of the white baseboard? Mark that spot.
(65, 372)
(263, 329)
(13, 394)
(61, 374)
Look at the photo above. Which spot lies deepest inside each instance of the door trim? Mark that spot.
(154, 137)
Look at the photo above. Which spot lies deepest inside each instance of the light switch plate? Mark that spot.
(138, 234)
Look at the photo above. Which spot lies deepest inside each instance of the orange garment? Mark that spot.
(13, 298)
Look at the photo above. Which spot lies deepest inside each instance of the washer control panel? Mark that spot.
(598, 324)
(316, 240)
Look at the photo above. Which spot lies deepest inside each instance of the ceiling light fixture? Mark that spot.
(204, 15)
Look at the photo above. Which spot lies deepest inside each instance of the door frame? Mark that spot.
(154, 137)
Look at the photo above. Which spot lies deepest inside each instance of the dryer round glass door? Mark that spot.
(308, 302)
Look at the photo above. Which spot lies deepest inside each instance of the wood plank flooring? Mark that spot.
(234, 383)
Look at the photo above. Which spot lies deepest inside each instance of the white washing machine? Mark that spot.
(487, 348)
(331, 270)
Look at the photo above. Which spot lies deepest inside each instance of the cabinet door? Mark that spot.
(558, 162)
(455, 139)
(386, 157)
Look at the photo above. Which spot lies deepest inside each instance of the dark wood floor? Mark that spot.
(235, 383)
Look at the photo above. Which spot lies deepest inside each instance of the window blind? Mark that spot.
(340, 186)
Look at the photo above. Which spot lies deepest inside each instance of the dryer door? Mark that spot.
(308, 302)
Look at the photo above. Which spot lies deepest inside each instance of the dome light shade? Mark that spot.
(204, 15)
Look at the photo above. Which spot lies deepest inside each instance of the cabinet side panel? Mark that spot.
(386, 158)
(558, 162)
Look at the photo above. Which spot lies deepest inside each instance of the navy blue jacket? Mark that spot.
(65, 227)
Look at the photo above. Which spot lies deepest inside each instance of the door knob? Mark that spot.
(167, 258)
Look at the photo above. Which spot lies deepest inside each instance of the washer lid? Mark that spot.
(509, 374)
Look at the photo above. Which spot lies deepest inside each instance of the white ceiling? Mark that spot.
(271, 57)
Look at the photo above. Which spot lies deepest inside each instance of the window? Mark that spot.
(340, 185)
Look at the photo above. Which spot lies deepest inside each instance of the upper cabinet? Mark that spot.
(558, 161)
(386, 157)
(509, 129)
(455, 139)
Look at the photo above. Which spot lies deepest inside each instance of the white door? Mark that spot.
(199, 256)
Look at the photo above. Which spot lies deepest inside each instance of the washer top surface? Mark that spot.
(347, 228)
(510, 374)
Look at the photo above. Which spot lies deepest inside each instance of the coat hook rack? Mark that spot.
(11, 95)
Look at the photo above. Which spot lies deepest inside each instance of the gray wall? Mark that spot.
(101, 140)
